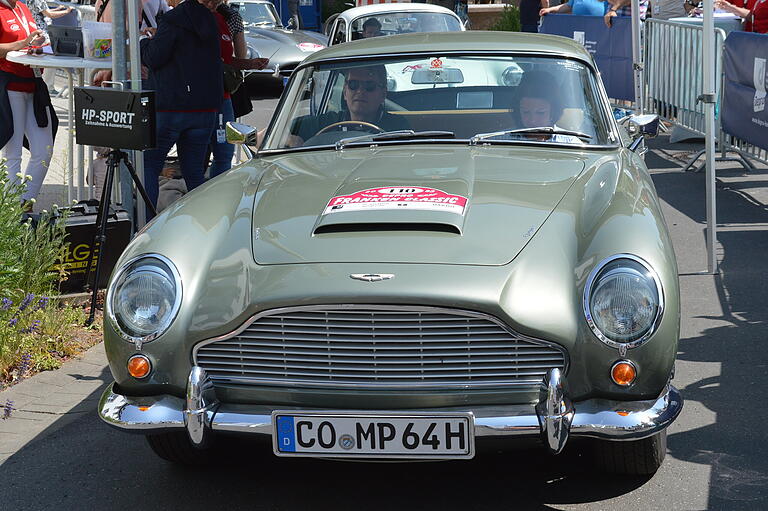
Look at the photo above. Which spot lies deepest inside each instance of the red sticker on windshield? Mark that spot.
(398, 197)
(436, 64)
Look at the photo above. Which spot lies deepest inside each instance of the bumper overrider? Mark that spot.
(554, 417)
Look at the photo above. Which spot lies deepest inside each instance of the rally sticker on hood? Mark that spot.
(398, 197)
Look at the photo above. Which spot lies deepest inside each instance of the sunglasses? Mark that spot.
(367, 85)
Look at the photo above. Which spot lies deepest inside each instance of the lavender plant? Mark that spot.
(7, 409)
(27, 253)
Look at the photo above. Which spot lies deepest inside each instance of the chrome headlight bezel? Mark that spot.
(176, 280)
(592, 281)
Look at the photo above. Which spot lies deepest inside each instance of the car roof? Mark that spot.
(469, 41)
(369, 10)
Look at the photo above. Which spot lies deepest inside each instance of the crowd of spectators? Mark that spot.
(187, 55)
(754, 13)
(192, 54)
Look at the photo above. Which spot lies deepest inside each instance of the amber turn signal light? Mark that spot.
(139, 366)
(623, 373)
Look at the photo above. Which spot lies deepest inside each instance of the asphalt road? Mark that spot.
(717, 456)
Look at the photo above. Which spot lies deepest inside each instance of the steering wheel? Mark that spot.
(367, 126)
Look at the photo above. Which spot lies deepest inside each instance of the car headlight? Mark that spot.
(623, 301)
(144, 298)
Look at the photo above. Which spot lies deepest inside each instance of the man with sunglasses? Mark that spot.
(365, 89)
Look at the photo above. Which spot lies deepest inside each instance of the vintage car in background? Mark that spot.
(266, 37)
(393, 19)
(404, 274)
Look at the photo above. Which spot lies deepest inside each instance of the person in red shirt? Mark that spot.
(233, 51)
(222, 151)
(25, 107)
(753, 12)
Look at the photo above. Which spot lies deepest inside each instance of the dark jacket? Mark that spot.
(41, 103)
(184, 59)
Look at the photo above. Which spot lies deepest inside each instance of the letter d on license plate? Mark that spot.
(387, 435)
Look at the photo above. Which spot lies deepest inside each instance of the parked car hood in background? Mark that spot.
(267, 41)
(510, 193)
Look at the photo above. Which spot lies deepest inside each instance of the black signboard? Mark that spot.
(115, 118)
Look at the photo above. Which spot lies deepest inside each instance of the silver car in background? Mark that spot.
(266, 37)
(393, 19)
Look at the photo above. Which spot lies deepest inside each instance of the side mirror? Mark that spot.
(291, 25)
(645, 125)
(641, 127)
(241, 134)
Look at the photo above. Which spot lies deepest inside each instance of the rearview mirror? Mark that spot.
(442, 75)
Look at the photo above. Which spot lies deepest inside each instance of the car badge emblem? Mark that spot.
(372, 277)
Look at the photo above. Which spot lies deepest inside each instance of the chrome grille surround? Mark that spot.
(377, 347)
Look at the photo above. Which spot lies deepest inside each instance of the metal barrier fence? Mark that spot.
(745, 149)
(673, 72)
(673, 53)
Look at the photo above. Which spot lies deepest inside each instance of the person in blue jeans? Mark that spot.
(578, 7)
(185, 69)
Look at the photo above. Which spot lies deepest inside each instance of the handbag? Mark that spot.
(233, 79)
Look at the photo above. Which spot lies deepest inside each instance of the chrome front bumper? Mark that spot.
(554, 417)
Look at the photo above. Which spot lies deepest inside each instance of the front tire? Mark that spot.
(635, 457)
(177, 448)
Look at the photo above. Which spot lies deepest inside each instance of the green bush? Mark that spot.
(509, 21)
(27, 252)
(29, 323)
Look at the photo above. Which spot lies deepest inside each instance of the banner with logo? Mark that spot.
(744, 113)
(610, 47)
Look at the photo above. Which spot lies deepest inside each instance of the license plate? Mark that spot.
(389, 435)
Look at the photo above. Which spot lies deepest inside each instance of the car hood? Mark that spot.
(267, 41)
(476, 206)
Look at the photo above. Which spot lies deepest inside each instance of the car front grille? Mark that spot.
(377, 347)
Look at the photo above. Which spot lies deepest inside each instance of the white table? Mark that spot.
(68, 64)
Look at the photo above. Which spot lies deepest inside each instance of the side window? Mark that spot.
(340, 34)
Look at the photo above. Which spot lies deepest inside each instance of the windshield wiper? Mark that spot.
(394, 135)
(541, 130)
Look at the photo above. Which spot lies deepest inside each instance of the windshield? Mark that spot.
(255, 15)
(403, 23)
(475, 98)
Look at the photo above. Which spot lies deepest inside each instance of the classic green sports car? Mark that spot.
(442, 238)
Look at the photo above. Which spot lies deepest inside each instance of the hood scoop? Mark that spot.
(387, 227)
(393, 209)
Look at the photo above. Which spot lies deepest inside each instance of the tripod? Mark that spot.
(114, 158)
